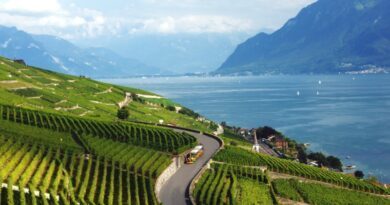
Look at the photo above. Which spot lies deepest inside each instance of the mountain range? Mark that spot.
(177, 52)
(60, 55)
(329, 36)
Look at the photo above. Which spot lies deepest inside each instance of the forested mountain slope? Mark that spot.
(329, 36)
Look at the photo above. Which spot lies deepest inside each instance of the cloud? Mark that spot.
(189, 24)
(248, 16)
(50, 17)
(85, 19)
(29, 6)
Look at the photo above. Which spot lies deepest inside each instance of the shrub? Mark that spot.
(170, 108)
(233, 143)
(186, 111)
(359, 174)
(123, 113)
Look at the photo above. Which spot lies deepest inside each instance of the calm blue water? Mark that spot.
(350, 116)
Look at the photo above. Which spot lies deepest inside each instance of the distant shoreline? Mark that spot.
(206, 75)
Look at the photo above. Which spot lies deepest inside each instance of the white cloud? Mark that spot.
(32, 6)
(250, 16)
(190, 24)
(49, 17)
(168, 25)
(121, 17)
(61, 21)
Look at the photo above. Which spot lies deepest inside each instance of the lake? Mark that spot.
(341, 115)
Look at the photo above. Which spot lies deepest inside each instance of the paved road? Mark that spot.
(175, 191)
(267, 150)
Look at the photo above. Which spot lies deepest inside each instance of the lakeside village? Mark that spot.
(269, 141)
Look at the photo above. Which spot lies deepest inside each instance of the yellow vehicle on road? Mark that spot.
(195, 153)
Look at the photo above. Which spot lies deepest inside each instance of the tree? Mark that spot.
(170, 108)
(334, 163)
(359, 174)
(264, 132)
(302, 156)
(213, 126)
(319, 157)
(123, 113)
(186, 111)
(292, 144)
(136, 98)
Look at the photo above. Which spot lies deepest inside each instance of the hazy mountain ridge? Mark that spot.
(179, 53)
(60, 55)
(325, 37)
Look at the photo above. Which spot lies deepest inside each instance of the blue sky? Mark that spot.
(80, 19)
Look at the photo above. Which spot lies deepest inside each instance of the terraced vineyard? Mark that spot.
(60, 144)
(135, 134)
(122, 177)
(47, 158)
(232, 184)
(243, 157)
(136, 159)
(320, 194)
(10, 196)
(61, 141)
(39, 89)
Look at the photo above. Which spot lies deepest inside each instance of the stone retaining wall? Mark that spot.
(166, 175)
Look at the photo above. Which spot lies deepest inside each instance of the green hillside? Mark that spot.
(69, 160)
(38, 89)
(240, 176)
(61, 142)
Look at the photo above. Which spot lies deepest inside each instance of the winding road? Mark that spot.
(176, 190)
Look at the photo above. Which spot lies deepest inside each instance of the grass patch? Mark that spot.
(251, 192)
(27, 92)
(284, 189)
(231, 138)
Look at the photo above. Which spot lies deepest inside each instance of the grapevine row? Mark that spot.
(85, 179)
(243, 157)
(136, 134)
(220, 185)
(312, 193)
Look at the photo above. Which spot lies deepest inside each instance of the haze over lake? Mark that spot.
(342, 115)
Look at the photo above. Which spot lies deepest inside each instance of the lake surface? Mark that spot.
(341, 115)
